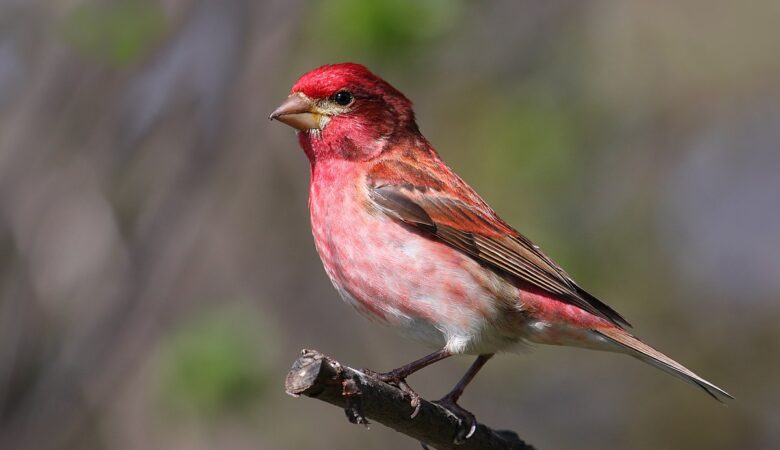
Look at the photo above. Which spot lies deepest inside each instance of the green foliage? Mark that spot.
(527, 137)
(211, 365)
(118, 32)
(383, 28)
(524, 157)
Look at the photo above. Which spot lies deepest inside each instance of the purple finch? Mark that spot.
(409, 244)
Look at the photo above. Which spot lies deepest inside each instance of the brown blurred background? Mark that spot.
(157, 274)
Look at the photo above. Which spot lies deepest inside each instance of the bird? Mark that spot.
(410, 245)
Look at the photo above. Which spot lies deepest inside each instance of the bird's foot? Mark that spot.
(467, 422)
(395, 379)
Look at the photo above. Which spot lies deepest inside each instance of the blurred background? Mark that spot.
(157, 271)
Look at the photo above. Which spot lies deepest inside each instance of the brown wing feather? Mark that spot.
(483, 236)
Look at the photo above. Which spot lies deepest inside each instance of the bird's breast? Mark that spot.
(399, 277)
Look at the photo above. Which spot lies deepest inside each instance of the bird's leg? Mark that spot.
(468, 423)
(397, 377)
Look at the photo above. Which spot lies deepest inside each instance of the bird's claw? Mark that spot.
(467, 423)
(394, 379)
(414, 397)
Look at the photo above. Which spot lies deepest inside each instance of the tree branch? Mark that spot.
(318, 376)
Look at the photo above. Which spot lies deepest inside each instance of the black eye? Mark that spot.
(343, 98)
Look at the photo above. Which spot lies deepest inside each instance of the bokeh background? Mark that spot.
(157, 272)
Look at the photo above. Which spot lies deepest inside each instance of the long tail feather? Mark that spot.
(645, 353)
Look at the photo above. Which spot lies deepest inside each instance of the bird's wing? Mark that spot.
(470, 226)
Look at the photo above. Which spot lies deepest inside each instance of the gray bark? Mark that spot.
(364, 397)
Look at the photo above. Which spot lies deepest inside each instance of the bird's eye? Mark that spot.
(343, 98)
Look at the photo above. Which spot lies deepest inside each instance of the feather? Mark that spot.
(649, 355)
(410, 194)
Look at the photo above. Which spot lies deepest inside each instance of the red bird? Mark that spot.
(409, 244)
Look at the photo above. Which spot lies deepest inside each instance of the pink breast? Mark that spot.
(391, 273)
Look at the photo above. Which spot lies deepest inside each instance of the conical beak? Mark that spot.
(298, 111)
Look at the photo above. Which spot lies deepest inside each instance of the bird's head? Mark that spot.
(345, 111)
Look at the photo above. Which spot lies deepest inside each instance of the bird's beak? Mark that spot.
(300, 112)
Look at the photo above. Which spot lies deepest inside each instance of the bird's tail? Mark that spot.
(643, 352)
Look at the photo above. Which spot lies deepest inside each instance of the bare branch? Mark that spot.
(318, 376)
